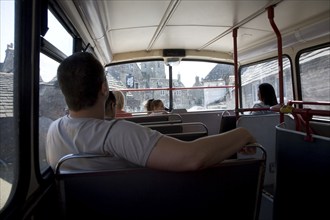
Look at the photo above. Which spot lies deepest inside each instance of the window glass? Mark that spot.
(196, 85)
(51, 102)
(58, 36)
(210, 86)
(315, 77)
(265, 72)
(8, 147)
(139, 82)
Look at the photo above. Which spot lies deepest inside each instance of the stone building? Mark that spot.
(8, 65)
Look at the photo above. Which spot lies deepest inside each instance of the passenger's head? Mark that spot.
(267, 94)
(110, 106)
(120, 99)
(81, 78)
(147, 106)
(157, 105)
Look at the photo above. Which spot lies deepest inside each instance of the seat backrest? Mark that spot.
(179, 110)
(189, 136)
(227, 123)
(302, 177)
(320, 128)
(175, 128)
(182, 131)
(229, 191)
(262, 127)
(167, 128)
(156, 119)
(210, 118)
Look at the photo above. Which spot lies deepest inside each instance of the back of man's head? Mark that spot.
(80, 77)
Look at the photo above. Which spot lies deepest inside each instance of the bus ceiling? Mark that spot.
(125, 30)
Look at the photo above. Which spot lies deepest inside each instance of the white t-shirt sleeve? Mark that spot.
(131, 141)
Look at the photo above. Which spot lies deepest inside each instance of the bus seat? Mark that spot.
(167, 128)
(230, 191)
(303, 175)
(227, 123)
(262, 127)
(189, 136)
(320, 128)
(179, 110)
(210, 118)
(156, 119)
(183, 131)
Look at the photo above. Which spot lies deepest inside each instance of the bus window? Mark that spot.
(139, 82)
(8, 147)
(267, 71)
(55, 29)
(314, 66)
(51, 101)
(215, 79)
(196, 85)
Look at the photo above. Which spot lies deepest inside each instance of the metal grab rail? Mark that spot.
(74, 156)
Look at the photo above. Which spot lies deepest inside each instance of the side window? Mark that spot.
(267, 71)
(8, 147)
(58, 36)
(51, 101)
(314, 69)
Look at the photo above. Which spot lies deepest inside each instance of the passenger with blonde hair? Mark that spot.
(120, 103)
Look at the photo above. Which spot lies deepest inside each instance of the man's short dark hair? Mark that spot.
(80, 77)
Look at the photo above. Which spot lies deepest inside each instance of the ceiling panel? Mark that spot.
(130, 25)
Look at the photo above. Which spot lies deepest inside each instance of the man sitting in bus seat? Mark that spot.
(267, 97)
(84, 130)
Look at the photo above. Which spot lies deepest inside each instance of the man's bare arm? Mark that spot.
(176, 155)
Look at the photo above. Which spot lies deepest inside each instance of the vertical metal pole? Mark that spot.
(280, 60)
(236, 71)
(170, 87)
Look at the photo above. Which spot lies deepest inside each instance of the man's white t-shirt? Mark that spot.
(125, 143)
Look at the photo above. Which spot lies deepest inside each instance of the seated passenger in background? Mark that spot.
(110, 106)
(267, 97)
(147, 106)
(120, 102)
(83, 82)
(157, 107)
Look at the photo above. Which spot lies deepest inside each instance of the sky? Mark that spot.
(189, 70)
(6, 26)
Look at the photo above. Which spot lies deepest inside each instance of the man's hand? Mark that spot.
(249, 149)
